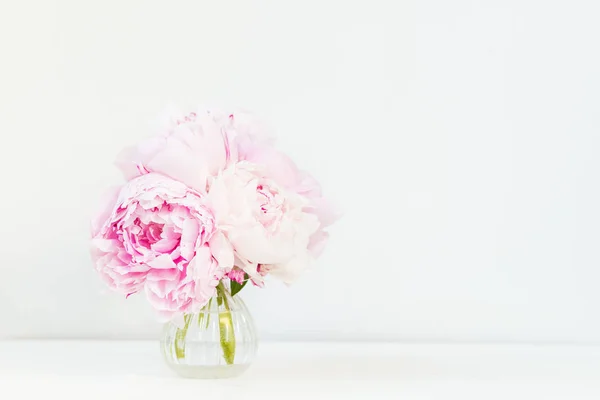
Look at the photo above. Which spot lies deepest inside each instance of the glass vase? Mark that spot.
(218, 342)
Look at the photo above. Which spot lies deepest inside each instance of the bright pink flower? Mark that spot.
(237, 275)
(159, 236)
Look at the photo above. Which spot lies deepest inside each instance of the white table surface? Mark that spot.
(134, 369)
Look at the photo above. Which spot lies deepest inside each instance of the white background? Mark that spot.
(459, 137)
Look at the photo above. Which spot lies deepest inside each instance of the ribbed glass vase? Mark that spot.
(217, 342)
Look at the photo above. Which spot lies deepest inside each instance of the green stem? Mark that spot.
(180, 335)
(205, 313)
(227, 336)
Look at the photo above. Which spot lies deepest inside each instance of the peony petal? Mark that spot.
(324, 210)
(189, 235)
(166, 245)
(128, 160)
(162, 274)
(254, 244)
(205, 273)
(177, 162)
(106, 245)
(213, 146)
(290, 271)
(162, 262)
(222, 251)
(106, 207)
(133, 161)
(317, 243)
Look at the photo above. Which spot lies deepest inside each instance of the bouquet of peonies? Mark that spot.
(208, 199)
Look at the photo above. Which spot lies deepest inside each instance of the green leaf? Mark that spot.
(236, 287)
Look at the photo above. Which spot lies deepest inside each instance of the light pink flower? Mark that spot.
(159, 236)
(281, 169)
(192, 147)
(266, 223)
(189, 148)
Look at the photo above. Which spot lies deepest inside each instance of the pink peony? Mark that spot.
(158, 235)
(282, 171)
(193, 147)
(189, 149)
(272, 214)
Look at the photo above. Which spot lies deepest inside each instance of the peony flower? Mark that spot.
(189, 149)
(267, 225)
(193, 147)
(281, 171)
(159, 237)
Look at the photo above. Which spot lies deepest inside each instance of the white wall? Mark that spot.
(460, 138)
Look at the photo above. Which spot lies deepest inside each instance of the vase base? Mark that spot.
(209, 372)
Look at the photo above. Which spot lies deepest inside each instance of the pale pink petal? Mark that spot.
(290, 271)
(166, 245)
(105, 209)
(189, 234)
(162, 274)
(222, 250)
(252, 243)
(106, 245)
(324, 210)
(133, 161)
(162, 262)
(212, 145)
(128, 160)
(317, 243)
(206, 274)
(176, 161)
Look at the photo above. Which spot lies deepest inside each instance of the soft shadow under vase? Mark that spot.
(217, 342)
